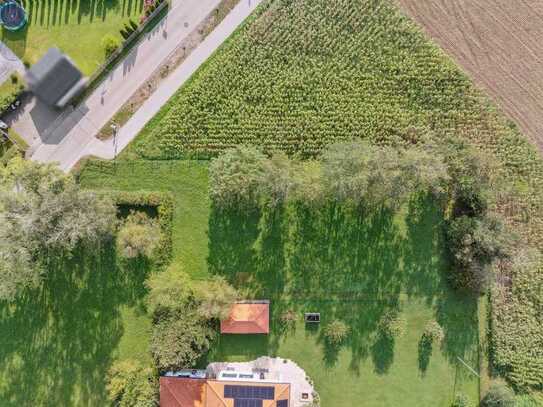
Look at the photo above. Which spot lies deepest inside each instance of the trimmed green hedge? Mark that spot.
(164, 203)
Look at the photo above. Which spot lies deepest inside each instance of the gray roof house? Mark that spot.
(55, 79)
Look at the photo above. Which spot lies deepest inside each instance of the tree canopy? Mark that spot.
(43, 210)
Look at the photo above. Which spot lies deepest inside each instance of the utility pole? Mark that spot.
(115, 128)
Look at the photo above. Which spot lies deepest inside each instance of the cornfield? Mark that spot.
(304, 73)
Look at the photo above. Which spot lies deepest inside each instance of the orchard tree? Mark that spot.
(43, 210)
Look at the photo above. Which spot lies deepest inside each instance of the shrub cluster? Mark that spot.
(335, 332)
(185, 316)
(130, 385)
(164, 204)
(138, 236)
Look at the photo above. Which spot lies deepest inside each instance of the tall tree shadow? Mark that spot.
(62, 336)
(346, 262)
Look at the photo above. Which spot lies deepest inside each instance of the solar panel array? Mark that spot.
(247, 403)
(282, 403)
(249, 392)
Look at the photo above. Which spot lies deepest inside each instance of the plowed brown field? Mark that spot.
(499, 43)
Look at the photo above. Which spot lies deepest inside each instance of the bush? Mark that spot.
(499, 395)
(131, 385)
(393, 326)
(180, 340)
(215, 298)
(169, 291)
(474, 244)
(110, 44)
(164, 204)
(336, 332)
(288, 318)
(7, 99)
(461, 400)
(138, 237)
(236, 178)
(433, 332)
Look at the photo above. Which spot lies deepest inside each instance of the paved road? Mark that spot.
(108, 149)
(64, 138)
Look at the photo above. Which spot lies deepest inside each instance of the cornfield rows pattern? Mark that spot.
(302, 74)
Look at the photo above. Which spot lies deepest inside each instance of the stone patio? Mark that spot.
(276, 370)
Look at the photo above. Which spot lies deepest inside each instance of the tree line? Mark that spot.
(372, 176)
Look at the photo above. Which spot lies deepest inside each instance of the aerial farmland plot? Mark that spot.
(498, 43)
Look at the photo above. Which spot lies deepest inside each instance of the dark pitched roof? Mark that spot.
(53, 76)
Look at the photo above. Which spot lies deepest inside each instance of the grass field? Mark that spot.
(76, 27)
(58, 342)
(301, 74)
(342, 264)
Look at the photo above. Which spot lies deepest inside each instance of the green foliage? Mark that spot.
(236, 177)
(461, 400)
(9, 94)
(499, 395)
(215, 298)
(182, 332)
(288, 319)
(169, 290)
(393, 326)
(335, 332)
(356, 172)
(475, 244)
(180, 339)
(138, 236)
(516, 351)
(433, 332)
(163, 201)
(380, 175)
(110, 44)
(131, 385)
(43, 211)
(295, 80)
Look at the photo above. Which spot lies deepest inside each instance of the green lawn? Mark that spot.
(58, 342)
(341, 263)
(75, 26)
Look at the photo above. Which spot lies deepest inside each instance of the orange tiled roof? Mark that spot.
(215, 393)
(247, 318)
(182, 392)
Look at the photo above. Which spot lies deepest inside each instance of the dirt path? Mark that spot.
(499, 43)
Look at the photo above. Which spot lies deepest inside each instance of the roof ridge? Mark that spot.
(221, 398)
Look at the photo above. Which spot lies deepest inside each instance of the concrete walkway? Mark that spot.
(73, 136)
(109, 148)
(62, 137)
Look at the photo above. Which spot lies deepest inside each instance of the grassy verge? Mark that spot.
(184, 49)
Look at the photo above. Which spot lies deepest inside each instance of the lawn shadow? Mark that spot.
(63, 335)
(382, 353)
(346, 262)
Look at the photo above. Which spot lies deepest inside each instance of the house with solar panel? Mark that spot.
(265, 382)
